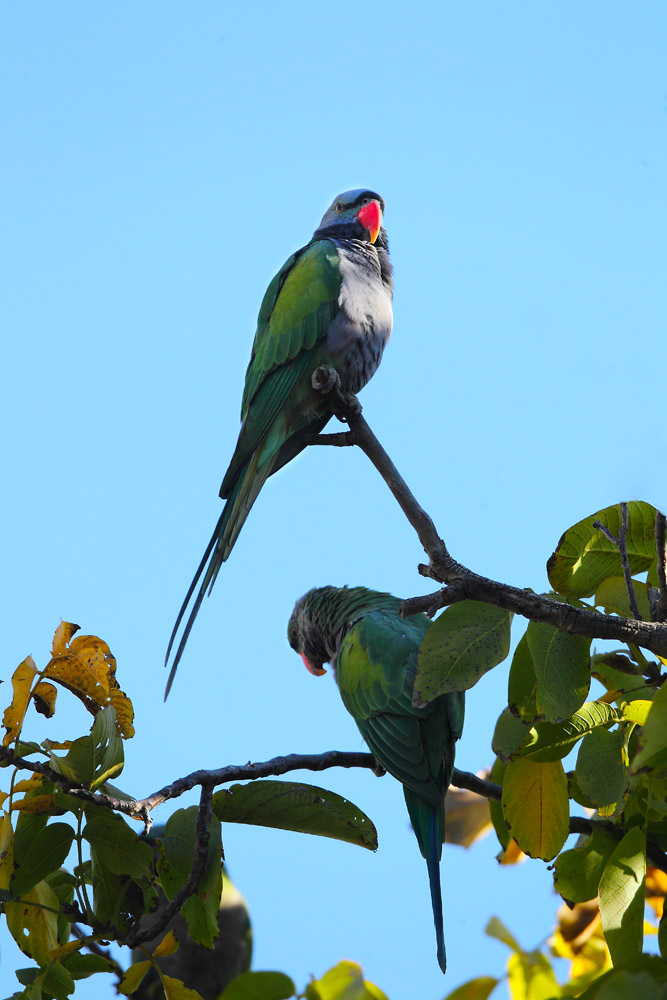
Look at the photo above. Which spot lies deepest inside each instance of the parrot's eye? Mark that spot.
(366, 201)
(339, 206)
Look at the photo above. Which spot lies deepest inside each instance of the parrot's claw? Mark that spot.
(378, 770)
(325, 379)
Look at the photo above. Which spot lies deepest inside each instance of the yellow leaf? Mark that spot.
(62, 636)
(34, 928)
(87, 680)
(656, 889)
(44, 697)
(167, 946)
(124, 711)
(14, 715)
(133, 977)
(467, 817)
(67, 949)
(6, 851)
(174, 989)
(536, 806)
(513, 855)
(36, 799)
(636, 711)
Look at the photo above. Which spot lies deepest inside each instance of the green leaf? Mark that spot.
(78, 764)
(495, 928)
(562, 670)
(508, 735)
(602, 767)
(81, 966)
(622, 897)
(109, 754)
(116, 898)
(56, 981)
(522, 683)
(536, 806)
(119, 846)
(177, 853)
(495, 808)
(652, 751)
(44, 855)
(475, 989)
(662, 935)
(643, 978)
(291, 805)
(577, 872)
(467, 640)
(612, 595)
(584, 556)
(554, 740)
(259, 986)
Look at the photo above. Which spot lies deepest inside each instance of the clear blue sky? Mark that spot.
(160, 162)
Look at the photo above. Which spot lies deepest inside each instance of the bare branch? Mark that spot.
(341, 440)
(464, 584)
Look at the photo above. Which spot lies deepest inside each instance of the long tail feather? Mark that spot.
(226, 531)
(433, 865)
(428, 822)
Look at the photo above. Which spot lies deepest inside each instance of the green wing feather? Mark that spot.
(376, 668)
(297, 310)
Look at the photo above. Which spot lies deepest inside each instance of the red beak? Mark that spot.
(370, 216)
(311, 668)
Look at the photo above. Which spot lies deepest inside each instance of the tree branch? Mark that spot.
(621, 544)
(193, 879)
(463, 583)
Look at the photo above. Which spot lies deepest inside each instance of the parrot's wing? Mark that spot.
(297, 310)
(375, 671)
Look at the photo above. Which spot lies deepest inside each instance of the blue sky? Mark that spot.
(160, 163)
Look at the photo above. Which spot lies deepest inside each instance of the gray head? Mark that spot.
(355, 214)
(321, 618)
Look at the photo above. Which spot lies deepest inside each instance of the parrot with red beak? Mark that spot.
(329, 305)
(373, 652)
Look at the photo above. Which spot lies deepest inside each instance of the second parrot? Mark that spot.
(374, 656)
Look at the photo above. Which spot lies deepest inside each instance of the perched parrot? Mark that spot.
(330, 304)
(373, 652)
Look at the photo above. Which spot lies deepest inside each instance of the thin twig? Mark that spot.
(192, 882)
(621, 544)
(661, 549)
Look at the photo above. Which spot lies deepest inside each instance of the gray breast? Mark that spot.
(362, 326)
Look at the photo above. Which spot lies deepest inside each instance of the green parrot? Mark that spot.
(330, 304)
(373, 652)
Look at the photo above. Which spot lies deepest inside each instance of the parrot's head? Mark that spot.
(322, 617)
(354, 215)
(306, 636)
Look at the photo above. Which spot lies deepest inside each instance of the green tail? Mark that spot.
(236, 509)
(428, 822)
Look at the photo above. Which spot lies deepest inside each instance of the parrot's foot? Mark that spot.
(325, 379)
(378, 770)
(344, 405)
